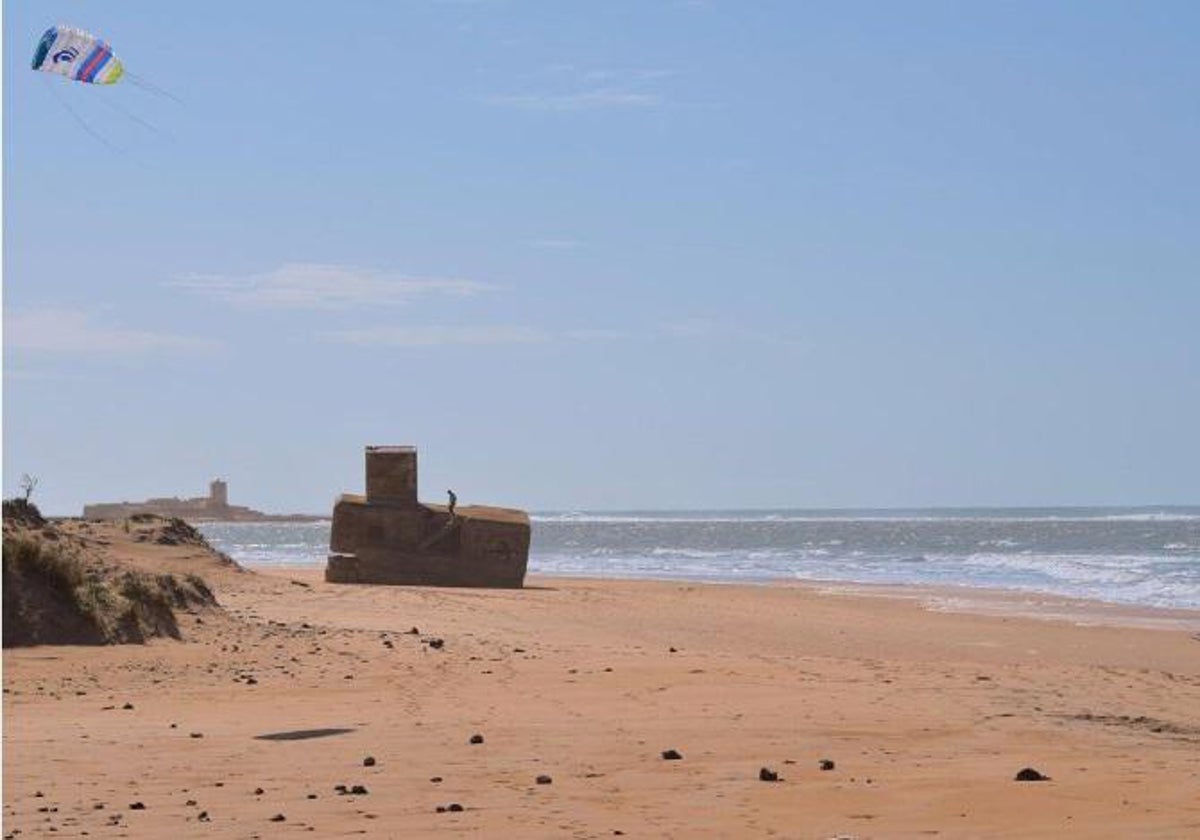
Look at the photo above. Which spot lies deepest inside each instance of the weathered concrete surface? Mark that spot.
(389, 537)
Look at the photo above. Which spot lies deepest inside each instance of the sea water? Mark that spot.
(1143, 556)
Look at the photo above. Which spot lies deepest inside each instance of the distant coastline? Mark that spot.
(214, 507)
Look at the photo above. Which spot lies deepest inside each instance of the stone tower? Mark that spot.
(218, 494)
(392, 475)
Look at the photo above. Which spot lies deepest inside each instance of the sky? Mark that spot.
(615, 255)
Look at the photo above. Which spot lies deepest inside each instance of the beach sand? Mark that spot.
(926, 714)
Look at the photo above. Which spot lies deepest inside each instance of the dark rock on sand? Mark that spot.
(369, 761)
(1028, 774)
(766, 774)
(359, 790)
(137, 806)
(544, 779)
(278, 818)
(671, 755)
(826, 764)
(477, 739)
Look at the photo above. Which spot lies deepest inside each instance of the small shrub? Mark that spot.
(23, 512)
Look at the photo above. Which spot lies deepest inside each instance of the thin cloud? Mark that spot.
(435, 336)
(555, 244)
(317, 286)
(20, 374)
(610, 75)
(69, 331)
(590, 100)
(693, 328)
(702, 329)
(594, 334)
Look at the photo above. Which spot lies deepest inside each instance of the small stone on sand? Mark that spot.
(1028, 774)
(766, 774)
(671, 755)
(544, 780)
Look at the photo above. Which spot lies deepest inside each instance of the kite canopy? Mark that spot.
(78, 55)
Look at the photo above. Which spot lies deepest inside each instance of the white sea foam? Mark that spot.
(930, 516)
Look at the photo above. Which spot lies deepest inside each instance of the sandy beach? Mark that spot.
(247, 726)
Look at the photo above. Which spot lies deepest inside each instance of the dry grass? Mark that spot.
(54, 594)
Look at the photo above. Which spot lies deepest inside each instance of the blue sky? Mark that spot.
(609, 255)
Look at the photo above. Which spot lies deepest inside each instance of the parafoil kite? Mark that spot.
(78, 55)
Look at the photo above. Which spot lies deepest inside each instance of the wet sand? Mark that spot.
(926, 714)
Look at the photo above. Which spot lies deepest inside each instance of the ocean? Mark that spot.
(1139, 556)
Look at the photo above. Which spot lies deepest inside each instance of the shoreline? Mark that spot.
(1117, 557)
(958, 598)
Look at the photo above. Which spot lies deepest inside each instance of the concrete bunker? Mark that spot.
(389, 537)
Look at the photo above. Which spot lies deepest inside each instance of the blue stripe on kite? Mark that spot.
(83, 65)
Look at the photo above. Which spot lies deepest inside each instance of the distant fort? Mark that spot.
(214, 507)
